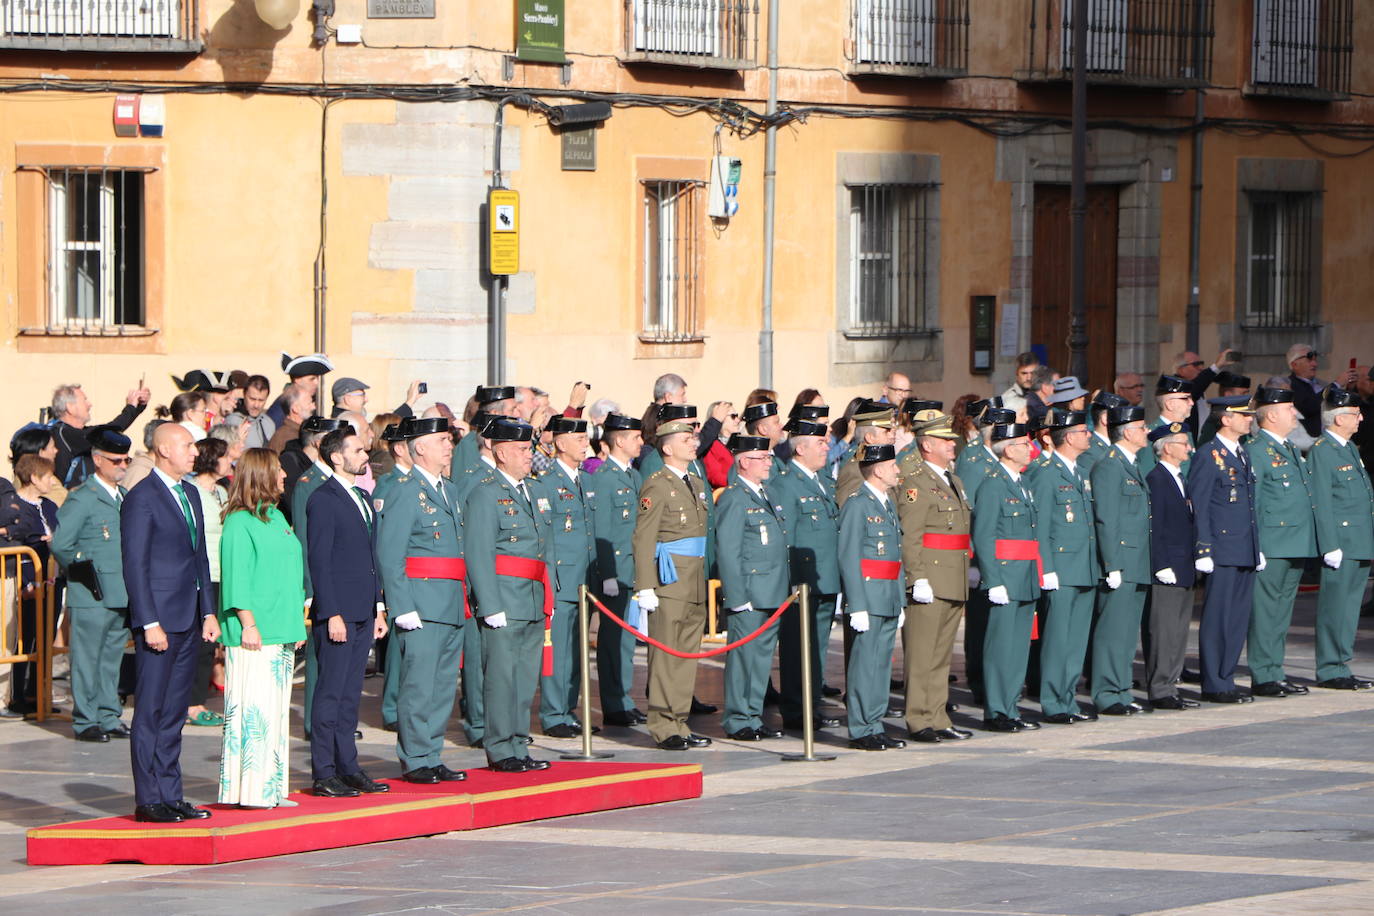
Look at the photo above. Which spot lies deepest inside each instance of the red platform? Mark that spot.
(485, 799)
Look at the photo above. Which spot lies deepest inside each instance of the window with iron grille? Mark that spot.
(696, 32)
(1303, 46)
(672, 261)
(1283, 242)
(891, 271)
(95, 258)
(920, 37)
(105, 25)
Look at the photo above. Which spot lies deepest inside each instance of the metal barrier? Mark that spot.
(13, 624)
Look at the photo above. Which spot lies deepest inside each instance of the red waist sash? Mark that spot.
(1021, 550)
(880, 569)
(536, 571)
(441, 568)
(946, 542)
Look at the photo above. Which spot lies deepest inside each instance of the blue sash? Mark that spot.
(666, 550)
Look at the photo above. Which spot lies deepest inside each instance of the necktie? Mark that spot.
(186, 511)
(525, 495)
(439, 486)
(367, 511)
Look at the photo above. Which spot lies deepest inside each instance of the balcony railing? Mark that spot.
(908, 37)
(720, 34)
(1149, 43)
(101, 25)
(1302, 48)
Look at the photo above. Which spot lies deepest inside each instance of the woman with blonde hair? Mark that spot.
(262, 622)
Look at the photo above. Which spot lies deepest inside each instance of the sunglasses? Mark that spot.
(125, 459)
(1312, 355)
(1196, 364)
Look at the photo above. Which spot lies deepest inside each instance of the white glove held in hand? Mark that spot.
(1262, 563)
(1204, 565)
(998, 595)
(1114, 579)
(610, 588)
(495, 621)
(1050, 581)
(1333, 559)
(746, 606)
(1166, 576)
(921, 592)
(409, 621)
(859, 621)
(648, 601)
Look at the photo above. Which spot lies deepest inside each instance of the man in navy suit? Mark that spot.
(167, 576)
(347, 614)
(1171, 561)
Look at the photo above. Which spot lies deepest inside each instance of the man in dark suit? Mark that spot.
(347, 614)
(167, 576)
(1171, 561)
(1307, 388)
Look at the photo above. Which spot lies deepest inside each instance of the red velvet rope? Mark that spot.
(710, 654)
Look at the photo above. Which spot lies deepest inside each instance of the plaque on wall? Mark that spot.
(400, 9)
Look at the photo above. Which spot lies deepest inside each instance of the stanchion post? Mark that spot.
(584, 643)
(808, 699)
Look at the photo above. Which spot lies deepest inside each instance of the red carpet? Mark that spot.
(485, 799)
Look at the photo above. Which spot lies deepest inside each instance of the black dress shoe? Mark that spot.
(1001, 723)
(119, 731)
(1343, 683)
(92, 734)
(335, 787)
(1227, 696)
(673, 743)
(423, 776)
(1269, 689)
(868, 743)
(563, 730)
(1027, 725)
(364, 783)
(766, 732)
(926, 736)
(951, 707)
(795, 725)
(892, 742)
(508, 765)
(828, 691)
(695, 740)
(157, 814)
(1169, 703)
(1189, 676)
(638, 715)
(1136, 706)
(524, 739)
(1293, 689)
(620, 720)
(1116, 709)
(745, 734)
(954, 733)
(532, 764)
(701, 709)
(1080, 717)
(476, 745)
(187, 810)
(1059, 718)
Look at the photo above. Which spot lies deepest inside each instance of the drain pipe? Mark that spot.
(770, 165)
(1193, 317)
(496, 284)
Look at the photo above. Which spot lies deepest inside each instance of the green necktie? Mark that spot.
(367, 510)
(186, 511)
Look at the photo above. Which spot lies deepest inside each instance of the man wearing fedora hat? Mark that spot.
(1068, 394)
(1284, 512)
(1302, 362)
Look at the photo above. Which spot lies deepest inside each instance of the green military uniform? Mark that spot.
(573, 552)
(1065, 519)
(1096, 449)
(391, 681)
(869, 531)
(314, 477)
(1287, 538)
(478, 471)
(754, 582)
(615, 505)
(1345, 522)
(1004, 512)
(672, 508)
(422, 519)
(88, 529)
(972, 467)
(1121, 515)
(466, 455)
(932, 507)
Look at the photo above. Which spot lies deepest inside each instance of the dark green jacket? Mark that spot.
(88, 529)
(1064, 516)
(420, 522)
(1121, 514)
(573, 546)
(812, 521)
(1004, 511)
(753, 548)
(615, 504)
(869, 530)
(1345, 501)
(1284, 504)
(499, 522)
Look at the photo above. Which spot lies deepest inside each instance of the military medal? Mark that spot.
(1233, 494)
(1068, 514)
(682, 518)
(105, 532)
(567, 523)
(882, 548)
(763, 535)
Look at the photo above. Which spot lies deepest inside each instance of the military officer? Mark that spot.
(754, 583)
(1173, 397)
(1100, 440)
(507, 530)
(492, 401)
(400, 454)
(670, 574)
(1121, 518)
(1221, 486)
(1229, 384)
(86, 542)
(1284, 516)
(573, 551)
(1064, 518)
(762, 419)
(914, 411)
(1005, 540)
(615, 505)
(1171, 557)
(811, 517)
(421, 564)
(652, 462)
(935, 518)
(870, 557)
(874, 424)
(815, 413)
(1345, 537)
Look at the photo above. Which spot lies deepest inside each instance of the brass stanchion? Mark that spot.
(584, 641)
(808, 700)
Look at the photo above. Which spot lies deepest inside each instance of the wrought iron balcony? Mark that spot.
(718, 34)
(1147, 43)
(926, 38)
(166, 26)
(1302, 49)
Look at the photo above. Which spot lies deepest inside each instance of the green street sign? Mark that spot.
(539, 31)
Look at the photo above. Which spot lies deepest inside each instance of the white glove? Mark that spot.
(1204, 565)
(746, 606)
(974, 577)
(1333, 559)
(1166, 576)
(610, 588)
(901, 619)
(1049, 581)
(495, 621)
(998, 595)
(648, 601)
(409, 621)
(308, 603)
(1114, 579)
(921, 592)
(1260, 567)
(859, 621)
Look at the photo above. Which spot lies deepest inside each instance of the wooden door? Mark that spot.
(1051, 299)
